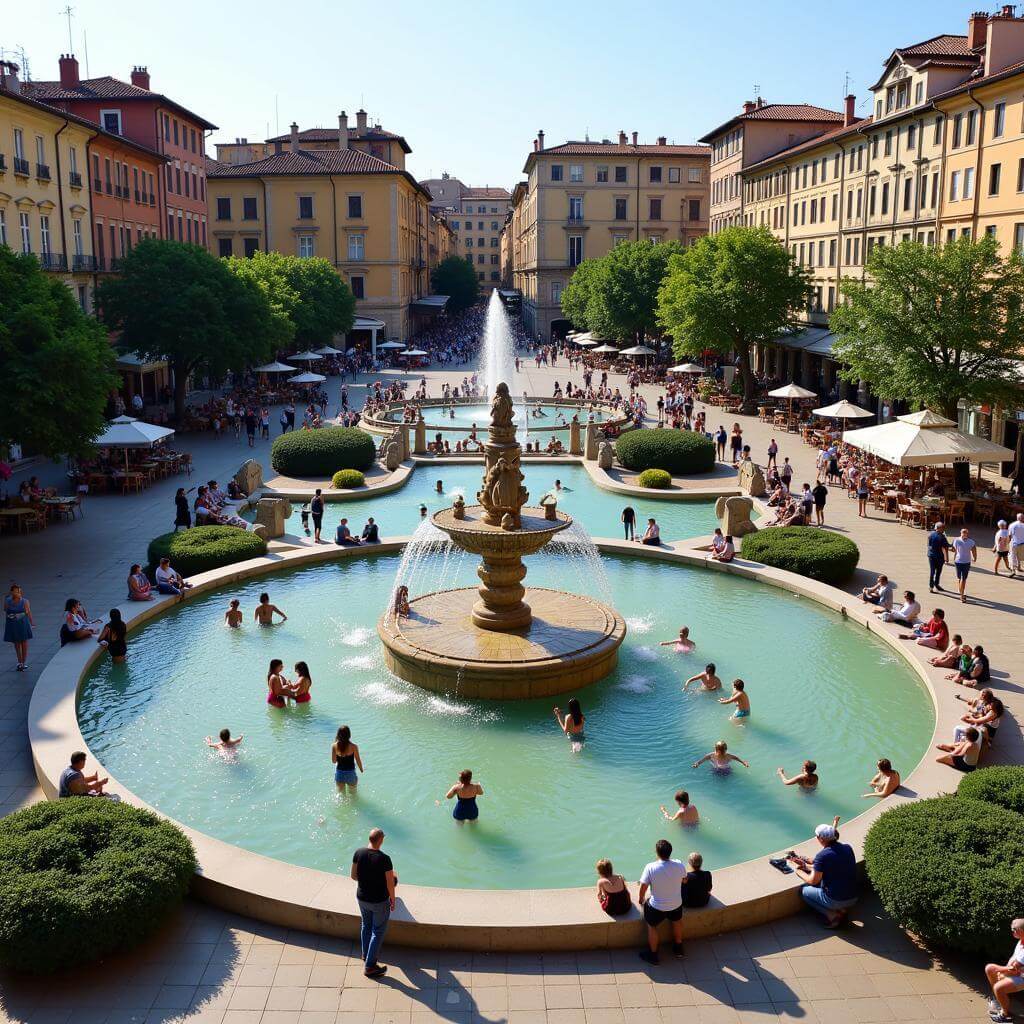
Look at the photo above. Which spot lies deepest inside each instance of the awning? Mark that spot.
(367, 323)
(432, 304)
(925, 439)
(816, 340)
(126, 432)
(134, 362)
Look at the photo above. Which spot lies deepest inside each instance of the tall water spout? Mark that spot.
(499, 346)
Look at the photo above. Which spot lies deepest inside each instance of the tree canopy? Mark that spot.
(180, 303)
(456, 278)
(730, 291)
(616, 296)
(57, 363)
(935, 324)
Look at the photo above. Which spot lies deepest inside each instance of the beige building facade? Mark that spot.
(580, 199)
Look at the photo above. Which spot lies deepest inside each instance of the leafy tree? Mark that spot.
(729, 292)
(56, 363)
(579, 291)
(180, 303)
(456, 278)
(935, 323)
(267, 271)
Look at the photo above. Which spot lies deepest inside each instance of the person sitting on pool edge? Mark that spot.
(343, 535)
(612, 891)
(652, 535)
(74, 781)
(830, 878)
(728, 552)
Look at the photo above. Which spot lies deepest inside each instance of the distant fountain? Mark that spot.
(499, 348)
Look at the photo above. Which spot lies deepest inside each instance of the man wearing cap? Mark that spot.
(375, 879)
(831, 878)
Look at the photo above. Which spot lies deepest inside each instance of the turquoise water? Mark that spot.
(398, 513)
(820, 688)
(480, 415)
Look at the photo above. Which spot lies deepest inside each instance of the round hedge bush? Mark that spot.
(322, 452)
(807, 550)
(679, 452)
(347, 479)
(656, 478)
(1002, 784)
(950, 870)
(205, 547)
(84, 877)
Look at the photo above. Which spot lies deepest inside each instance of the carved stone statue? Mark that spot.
(391, 454)
(249, 476)
(734, 516)
(751, 479)
(459, 508)
(271, 514)
(501, 407)
(575, 444)
(503, 493)
(605, 455)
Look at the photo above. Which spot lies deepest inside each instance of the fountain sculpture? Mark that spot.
(488, 641)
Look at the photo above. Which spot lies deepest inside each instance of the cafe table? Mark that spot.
(18, 516)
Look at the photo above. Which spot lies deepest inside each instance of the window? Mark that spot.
(175, 124)
(494, 225)
(1020, 175)
(3, 228)
(224, 247)
(556, 172)
(918, 92)
(911, 136)
(556, 292)
(481, 259)
(576, 172)
(575, 250)
(951, 235)
(968, 182)
(888, 143)
(602, 173)
(937, 135)
(958, 130)
(990, 231)
(26, 233)
(999, 120)
(19, 144)
(972, 126)
(621, 204)
(694, 209)
(357, 247)
(469, 243)
(111, 121)
(494, 260)
(620, 174)
(1018, 236)
(355, 207)
(306, 246)
(872, 193)
(954, 186)
(908, 193)
(249, 208)
(673, 175)
(223, 208)
(655, 174)
(924, 191)
(358, 285)
(44, 235)
(575, 208)
(79, 242)
(693, 175)
(305, 207)
(655, 213)
(455, 225)
(250, 245)
(494, 243)
(192, 133)
(167, 128)
(832, 253)
(994, 174)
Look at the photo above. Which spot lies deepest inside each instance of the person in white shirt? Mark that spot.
(1001, 548)
(965, 552)
(907, 613)
(1017, 543)
(1005, 979)
(168, 581)
(137, 403)
(880, 594)
(663, 879)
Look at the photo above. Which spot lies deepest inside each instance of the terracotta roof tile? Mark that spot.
(354, 134)
(600, 148)
(792, 112)
(938, 46)
(320, 161)
(819, 140)
(487, 193)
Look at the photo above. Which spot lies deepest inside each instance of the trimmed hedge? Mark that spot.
(656, 478)
(84, 877)
(679, 452)
(205, 547)
(807, 550)
(322, 452)
(347, 479)
(1002, 785)
(950, 870)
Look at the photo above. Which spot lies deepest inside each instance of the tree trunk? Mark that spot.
(180, 381)
(749, 406)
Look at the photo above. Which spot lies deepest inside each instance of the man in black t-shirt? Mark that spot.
(375, 879)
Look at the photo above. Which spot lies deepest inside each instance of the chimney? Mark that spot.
(850, 110)
(760, 102)
(68, 71)
(749, 106)
(9, 77)
(343, 130)
(361, 121)
(540, 138)
(140, 77)
(634, 137)
(1004, 41)
(535, 145)
(976, 27)
(662, 140)
(295, 137)
(622, 138)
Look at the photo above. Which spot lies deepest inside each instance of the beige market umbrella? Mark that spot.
(307, 378)
(275, 368)
(925, 439)
(843, 410)
(792, 391)
(687, 368)
(606, 348)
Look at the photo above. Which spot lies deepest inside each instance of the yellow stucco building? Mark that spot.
(367, 217)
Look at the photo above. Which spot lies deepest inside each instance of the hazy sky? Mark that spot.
(469, 84)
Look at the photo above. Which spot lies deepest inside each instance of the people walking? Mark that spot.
(965, 552)
(18, 624)
(938, 556)
(375, 878)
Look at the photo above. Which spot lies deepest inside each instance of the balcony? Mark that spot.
(84, 263)
(43, 172)
(21, 166)
(53, 261)
(138, 196)
(574, 219)
(74, 179)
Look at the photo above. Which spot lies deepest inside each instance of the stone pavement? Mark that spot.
(211, 966)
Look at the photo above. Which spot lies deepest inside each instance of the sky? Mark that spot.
(470, 84)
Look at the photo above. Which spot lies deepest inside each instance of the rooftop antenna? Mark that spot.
(23, 60)
(85, 46)
(67, 12)
(757, 90)
(846, 84)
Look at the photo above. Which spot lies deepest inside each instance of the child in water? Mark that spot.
(708, 680)
(739, 698)
(233, 616)
(226, 742)
(682, 643)
(720, 758)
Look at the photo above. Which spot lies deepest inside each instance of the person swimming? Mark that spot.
(233, 616)
(572, 723)
(739, 698)
(440, 487)
(465, 791)
(226, 743)
(708, 680)
(686, 813)
(277, 684)
(345, 757)
(682, 643)
(806, 779)
(720, 758)
(299, 690)
(265, 611)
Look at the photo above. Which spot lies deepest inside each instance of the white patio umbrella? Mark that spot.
(328, 350)
(275, 368)
(413, 352)
(687, 368)
(843, 410)
(305, 357)
(606, 348)
(126, 432)
(307, 378)
(639, 350)
(585, 342)
(792, 391)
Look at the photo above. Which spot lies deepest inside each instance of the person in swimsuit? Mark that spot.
(277, 685)
(233, 616)
(226, 742)
(708, 680)
(113, 636)
(885, 782)
(686, 814)
(401, 607)
(440, 487)
(265, 611)
(807, 778)
(572, 723)
(739, 698)
(612, 891)
(682, 643)
(465, 791)
(345, 758)
(720, 758)
(299, 690)
(965, 754)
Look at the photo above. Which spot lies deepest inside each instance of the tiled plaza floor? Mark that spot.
(209, 966)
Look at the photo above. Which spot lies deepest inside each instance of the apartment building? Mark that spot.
(759, 130)
(582, 198)
(477, 225)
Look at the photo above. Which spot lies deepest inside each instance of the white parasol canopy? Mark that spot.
(275, 368)
(843, 410)
(639, 350)
(606, 348)
(925, 439)
(125, 432)
(792, 391)
(328, 350)
(305, 357)
(413, 352)
(307, 378)
(391, 344)
(687, 368)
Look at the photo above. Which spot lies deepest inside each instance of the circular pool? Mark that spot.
(538, 416)
(820, 688)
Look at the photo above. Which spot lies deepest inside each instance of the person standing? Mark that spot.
(375, 879)
(663, 879)
(628, 519)
(820, 494)
(720, 438)
(182, 513)
(773, 452)
(1001, 549)
(316, 510)
(1017, 543)
(18, 624)
(938, 556)
(965, 552)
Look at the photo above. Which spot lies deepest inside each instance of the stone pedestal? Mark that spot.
(249, 476)
(271, 514)
(592, 442)
(420, 442)
(605, 455)
(734, 516)
(751, 479)
(575, 441)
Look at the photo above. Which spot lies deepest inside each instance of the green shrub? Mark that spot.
(656, 478)
(205, 547)
(950, 870)
(679, 452)
(313, 454)
(84, 877)
(1002, 784)
(347, 479)
(816, 554)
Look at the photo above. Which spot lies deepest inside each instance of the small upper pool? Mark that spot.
(540, 417)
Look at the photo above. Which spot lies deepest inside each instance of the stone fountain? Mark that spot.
(490, 641)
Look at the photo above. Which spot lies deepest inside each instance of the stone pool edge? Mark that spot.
(292, 896)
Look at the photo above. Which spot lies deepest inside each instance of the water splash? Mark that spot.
(499, 345)
(584, 561)
(361, 661)
(359, 636)
(430, 562)
(637, 683)
(644, 653)
(640, 624)
(384, 694)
